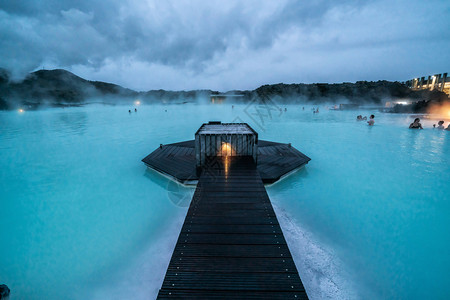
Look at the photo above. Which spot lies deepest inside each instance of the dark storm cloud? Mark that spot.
(226, 44)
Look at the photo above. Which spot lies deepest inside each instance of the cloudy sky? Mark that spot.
(223, 45)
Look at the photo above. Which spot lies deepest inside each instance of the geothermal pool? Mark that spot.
(82, 218)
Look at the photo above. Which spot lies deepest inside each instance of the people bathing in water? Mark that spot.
(448, 127)
(416, 124)
(371, 121)
(440, 125)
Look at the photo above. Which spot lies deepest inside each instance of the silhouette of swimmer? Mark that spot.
(129, 111)
(135, 110)
(416, 124)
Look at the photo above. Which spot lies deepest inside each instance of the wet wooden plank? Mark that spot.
(231, 245)
(232, 250)
(210, 281)
(206, 295)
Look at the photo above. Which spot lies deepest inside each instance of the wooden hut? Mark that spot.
(216, 139)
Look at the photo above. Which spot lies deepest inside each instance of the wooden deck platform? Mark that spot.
(178, 160)
(231, 245)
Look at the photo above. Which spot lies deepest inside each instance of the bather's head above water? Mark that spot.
(416, 124)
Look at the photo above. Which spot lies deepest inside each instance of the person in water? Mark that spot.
(448, 127)
(441, 125)
(371, 121)
(416, 124)
(359, 118)
(135, 110)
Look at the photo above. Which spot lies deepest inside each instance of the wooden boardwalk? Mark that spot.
(178, 160)
(231, 245)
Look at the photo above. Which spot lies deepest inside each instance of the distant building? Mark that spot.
(219, 98)
(440, 82)
(390, 104)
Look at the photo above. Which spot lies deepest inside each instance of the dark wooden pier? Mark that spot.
(178, 161)
(231, 245)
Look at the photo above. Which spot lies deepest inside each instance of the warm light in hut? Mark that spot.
(21, 110)
(226, 149)
(137, 102)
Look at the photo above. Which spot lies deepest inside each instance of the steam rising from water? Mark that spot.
(441, 110)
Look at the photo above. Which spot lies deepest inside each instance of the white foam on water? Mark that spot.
(321, 271)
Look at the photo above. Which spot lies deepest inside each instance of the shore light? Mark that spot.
(21, 110)
(137, 102)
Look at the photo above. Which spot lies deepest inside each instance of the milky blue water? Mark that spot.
(82, 218)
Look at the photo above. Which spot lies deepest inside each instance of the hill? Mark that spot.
(56, 87)
(60, 87)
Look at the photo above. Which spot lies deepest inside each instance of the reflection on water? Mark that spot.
(73, 121)
(291, 181)
(178, 194)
